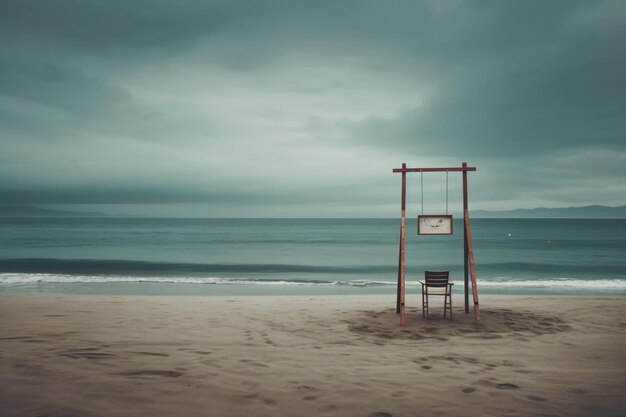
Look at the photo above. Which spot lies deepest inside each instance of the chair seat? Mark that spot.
(437, 291)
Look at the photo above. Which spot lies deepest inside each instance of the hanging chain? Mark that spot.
(446, 191)
(422, 189)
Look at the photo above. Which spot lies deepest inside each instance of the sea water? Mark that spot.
(304, 256)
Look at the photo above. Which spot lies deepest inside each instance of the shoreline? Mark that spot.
(286, 289)
(121, 355)
(391, 296)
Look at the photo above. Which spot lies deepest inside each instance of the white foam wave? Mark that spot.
(16, 279)
(22, 278)
(555, 283)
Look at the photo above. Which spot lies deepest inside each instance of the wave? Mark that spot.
(34, 271)
(148, 268)
(553, 283)
(538, 267)
(28, 278)
(12, 279)
(124, 267)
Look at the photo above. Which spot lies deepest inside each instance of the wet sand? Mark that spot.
(79, 355)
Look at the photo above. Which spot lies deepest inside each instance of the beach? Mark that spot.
(104, 355)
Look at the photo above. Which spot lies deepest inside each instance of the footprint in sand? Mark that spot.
(469, 390)
(149, 373)
(88, 355)
(150, 353)
(579, 391)
(507, 385)
(254, 363)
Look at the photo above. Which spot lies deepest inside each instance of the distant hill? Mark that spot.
(31, 211)
(586, 212)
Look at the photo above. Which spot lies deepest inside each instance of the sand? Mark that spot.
(80, 355)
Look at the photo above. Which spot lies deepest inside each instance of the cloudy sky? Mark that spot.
(302, 108)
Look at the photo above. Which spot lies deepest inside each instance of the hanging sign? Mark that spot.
(439, 224)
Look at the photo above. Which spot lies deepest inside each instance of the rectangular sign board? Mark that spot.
(439, 224)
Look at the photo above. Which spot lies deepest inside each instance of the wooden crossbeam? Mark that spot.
(450, 169)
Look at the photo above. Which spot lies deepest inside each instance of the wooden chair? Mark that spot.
(436, 283)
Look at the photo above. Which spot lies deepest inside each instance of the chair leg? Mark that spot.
(450, 306)
(445, 305)
(426, 305)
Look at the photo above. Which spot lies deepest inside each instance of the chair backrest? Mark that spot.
(436, 278)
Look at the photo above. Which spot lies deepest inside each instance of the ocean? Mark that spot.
(174, 256)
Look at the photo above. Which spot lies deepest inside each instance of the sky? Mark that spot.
(303, 108)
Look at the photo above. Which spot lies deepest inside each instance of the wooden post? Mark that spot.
(402, 245)
(399, 297)
(465, 247)
(470, 251)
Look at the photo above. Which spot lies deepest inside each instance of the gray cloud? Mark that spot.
(293, 105)
(530, 81)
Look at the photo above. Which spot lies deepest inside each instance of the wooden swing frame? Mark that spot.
(469, 269)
